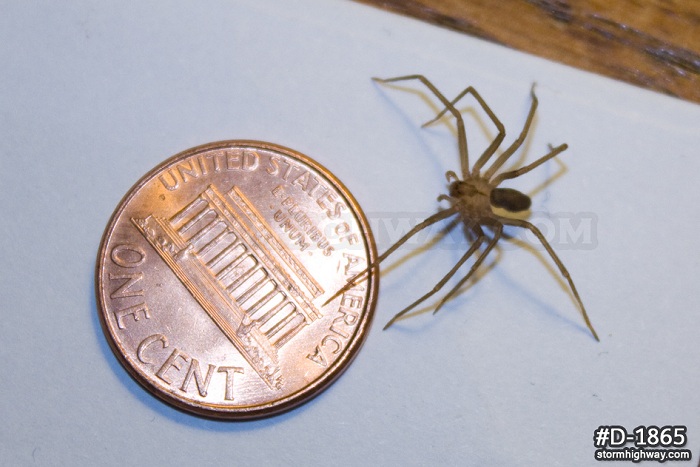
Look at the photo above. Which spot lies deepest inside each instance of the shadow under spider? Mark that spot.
(464, 288)
(537, 254)
(475, 199)
(486, 268)
(426, 246)
(445, 119)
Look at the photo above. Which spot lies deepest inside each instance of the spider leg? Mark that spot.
(523, 170)
(516, 144)
(475, 266)
(527, 225)
(461, 135)
(501, 129)
(439, 285)
(420, 226)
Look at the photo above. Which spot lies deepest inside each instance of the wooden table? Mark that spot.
(649, 43)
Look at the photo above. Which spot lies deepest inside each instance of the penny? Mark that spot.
(213, 271)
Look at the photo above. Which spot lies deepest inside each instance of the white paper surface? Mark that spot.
(95, 94)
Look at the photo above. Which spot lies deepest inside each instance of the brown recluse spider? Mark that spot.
(474, 195)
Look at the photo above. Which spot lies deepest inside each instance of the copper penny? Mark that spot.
(213, 271)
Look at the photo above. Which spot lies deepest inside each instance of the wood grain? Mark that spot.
(650, 43)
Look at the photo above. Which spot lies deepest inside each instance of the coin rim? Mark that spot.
(298, 397)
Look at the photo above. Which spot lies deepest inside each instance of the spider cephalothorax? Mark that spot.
(473, 197)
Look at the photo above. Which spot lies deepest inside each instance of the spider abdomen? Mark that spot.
(510, 199)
